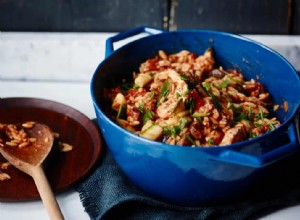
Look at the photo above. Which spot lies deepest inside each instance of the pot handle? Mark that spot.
(239, 158)
(123, 35)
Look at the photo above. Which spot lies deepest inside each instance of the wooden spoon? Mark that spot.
(30, 160)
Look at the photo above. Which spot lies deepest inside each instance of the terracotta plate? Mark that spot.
(62, 168)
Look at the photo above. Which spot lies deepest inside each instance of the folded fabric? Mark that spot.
(108, 194)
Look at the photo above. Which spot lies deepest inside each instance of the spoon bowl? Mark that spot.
(30, 160)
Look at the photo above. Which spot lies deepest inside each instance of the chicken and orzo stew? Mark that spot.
(184, 99)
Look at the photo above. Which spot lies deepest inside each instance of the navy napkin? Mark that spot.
(107, 194)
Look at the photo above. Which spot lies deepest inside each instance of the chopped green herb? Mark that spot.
(224, 84)
(261, 115)
(190, 104)
(200, 114)
(178, 104)
(228, 98)
(125, 87)
(183, 122)
(214, 99)
(164, 91)
(135, 86)
(252, 135)
(152, 95)
(142, 107)
(271, 126)
(190, 139)
(216, 102)
(230, 105)
(184, 77)
(165, 88)
(238, 108)
(148, 116)
(258, 125)
(238, 114)
(175, 130)
(171, 130)
(236, 81)
(199, 119)
(210, 141)
(186, 92)
(241, 116)
(122, 112)
(206, 86)
(250, 113)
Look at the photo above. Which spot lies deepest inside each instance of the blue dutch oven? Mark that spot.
(196, 176)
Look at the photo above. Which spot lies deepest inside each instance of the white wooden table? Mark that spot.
(59, 66)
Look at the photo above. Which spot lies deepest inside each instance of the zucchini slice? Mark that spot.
(153, 132)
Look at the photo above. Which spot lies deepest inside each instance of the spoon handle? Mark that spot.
(46, 193)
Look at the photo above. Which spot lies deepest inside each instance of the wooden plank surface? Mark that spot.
(81, 15)
(295, 17)
(237, 16)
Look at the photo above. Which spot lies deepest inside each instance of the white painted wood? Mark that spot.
(50, 56)
(75, 56)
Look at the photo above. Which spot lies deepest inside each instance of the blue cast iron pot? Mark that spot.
(196, 176)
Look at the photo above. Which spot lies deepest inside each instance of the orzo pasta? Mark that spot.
(183, 99)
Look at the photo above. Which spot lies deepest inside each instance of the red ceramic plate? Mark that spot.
(62, 169)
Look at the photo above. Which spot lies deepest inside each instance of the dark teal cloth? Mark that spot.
(107, 194)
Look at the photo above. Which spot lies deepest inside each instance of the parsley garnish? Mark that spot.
(164, 91)
(250, 113)
(148, 116)
(206, 86)
(236, 81)
(239, 114)
(184, 77)
(152, 95)
(175, 130)
(125, 87)
(252, 135)
(199, 116)
(190, 104)
(199, 119)
(171, 130)
(183, 122)
(135, 86)
(224, 84)
(142, 107)
(271, 126)
(261, 115)
(190, 139)
(210, 141)
(258, 125)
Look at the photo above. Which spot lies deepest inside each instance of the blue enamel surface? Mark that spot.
(193, 176)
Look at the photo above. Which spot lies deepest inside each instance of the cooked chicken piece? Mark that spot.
(176, 93)
(235, 134)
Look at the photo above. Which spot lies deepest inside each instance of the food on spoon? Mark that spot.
(184, 99)
(13, 135)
